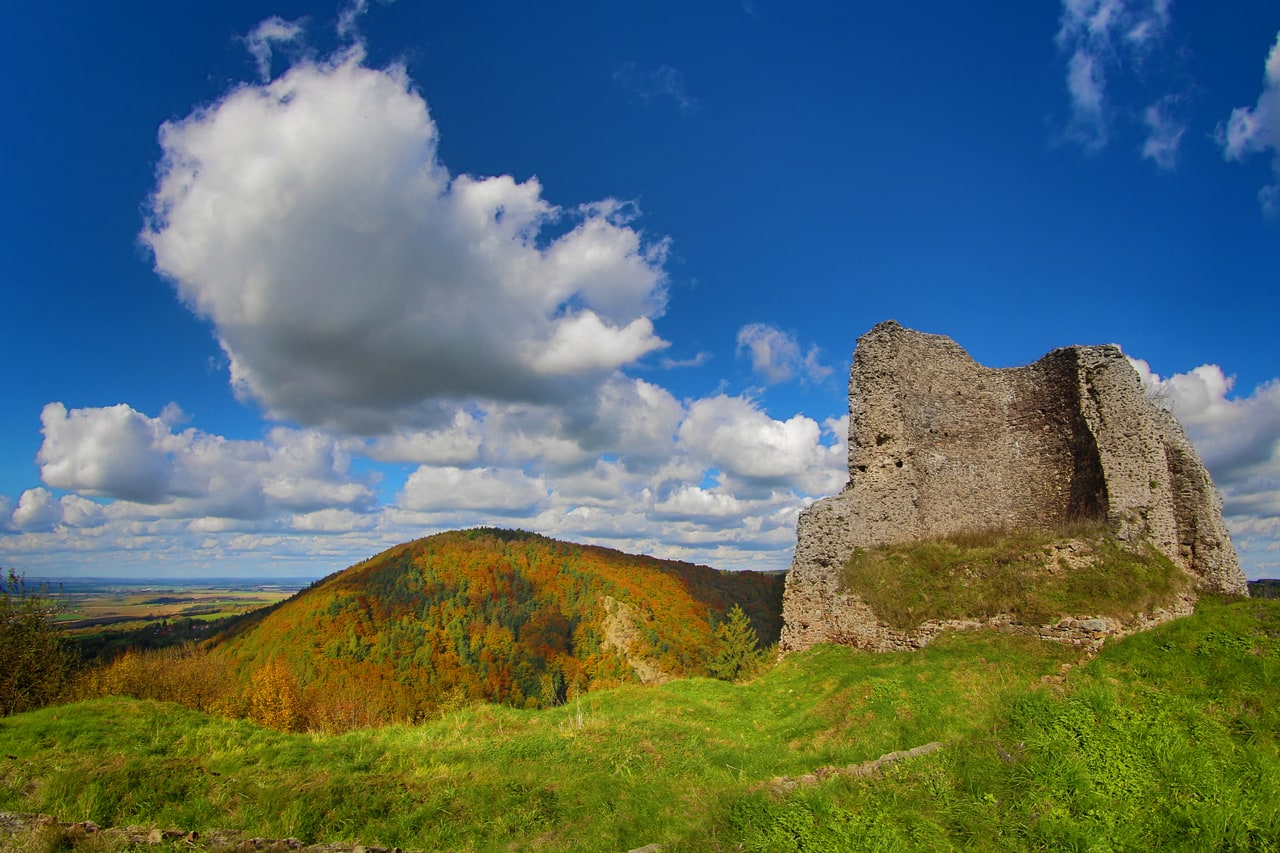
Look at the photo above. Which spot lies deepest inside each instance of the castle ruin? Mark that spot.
(939, 444)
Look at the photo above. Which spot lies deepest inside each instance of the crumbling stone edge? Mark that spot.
(783, 784)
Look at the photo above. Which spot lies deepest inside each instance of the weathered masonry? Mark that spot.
(939, 444)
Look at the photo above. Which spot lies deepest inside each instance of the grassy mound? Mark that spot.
(613, 770)
(1035, 576)
(1169, 739)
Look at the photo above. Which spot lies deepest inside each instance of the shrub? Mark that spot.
(35, 660)
(187, 674)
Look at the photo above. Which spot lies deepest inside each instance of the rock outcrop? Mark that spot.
(939, 444)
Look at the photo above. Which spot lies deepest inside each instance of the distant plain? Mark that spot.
(90, 604)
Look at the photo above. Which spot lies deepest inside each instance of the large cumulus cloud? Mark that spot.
(453, 349)
(353, 282)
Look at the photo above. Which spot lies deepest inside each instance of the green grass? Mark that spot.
(985, 573)
(1167, 740)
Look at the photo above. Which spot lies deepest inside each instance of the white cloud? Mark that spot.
(37, 510)
(1239, 441)
(586, 344)
(635, 420)
(349, 17)
(112, 451)
(633, 468)
(353, 283)
(274, 30)
(743, 442)
(661, 82)
(607, 484)
(456, 444)
(696, 361)
(628, 418)
(119, 453)
(216, 524)
(694, 501)
(331, 521)
(1252, 130)
(776, 356)
(1099, 37)
(1164, 134)
(449, 489)
(81, 512)
(1085, 85)
(518, 435)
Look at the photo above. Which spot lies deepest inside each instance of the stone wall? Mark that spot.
(939, 444)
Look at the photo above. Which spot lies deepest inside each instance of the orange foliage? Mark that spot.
(480, 615)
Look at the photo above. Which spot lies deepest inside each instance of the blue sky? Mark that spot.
(288, 283)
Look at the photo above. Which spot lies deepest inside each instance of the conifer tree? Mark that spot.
(738, 654)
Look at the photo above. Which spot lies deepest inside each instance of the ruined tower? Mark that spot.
(939, 444)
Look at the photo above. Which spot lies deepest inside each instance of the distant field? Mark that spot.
(123, 605)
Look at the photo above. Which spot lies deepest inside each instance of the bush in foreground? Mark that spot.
(35, 660)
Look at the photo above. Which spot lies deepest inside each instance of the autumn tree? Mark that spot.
(737, 648)
(35, 660)
(274, 697)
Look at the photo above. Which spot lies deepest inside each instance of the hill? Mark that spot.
(490, 615)
(1165, 740)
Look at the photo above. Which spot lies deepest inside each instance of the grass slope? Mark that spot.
(1167, 740)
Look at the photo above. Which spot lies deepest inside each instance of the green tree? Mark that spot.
(35, 660)
(738, 654)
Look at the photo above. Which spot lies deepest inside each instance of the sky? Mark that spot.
(287, 283)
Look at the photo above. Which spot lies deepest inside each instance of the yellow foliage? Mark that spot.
(187, 674)
(274, 697)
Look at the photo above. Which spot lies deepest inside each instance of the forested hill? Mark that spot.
(495, 615)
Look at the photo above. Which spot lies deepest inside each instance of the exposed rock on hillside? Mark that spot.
(939, 444)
